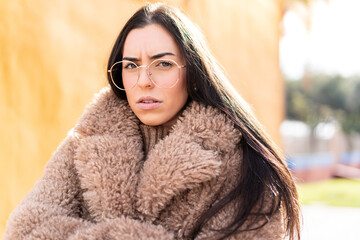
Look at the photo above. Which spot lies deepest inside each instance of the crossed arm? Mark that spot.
(51, 209)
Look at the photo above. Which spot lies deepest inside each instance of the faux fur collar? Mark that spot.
(113, 173)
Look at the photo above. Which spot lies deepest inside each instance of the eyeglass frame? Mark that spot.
(146, 70)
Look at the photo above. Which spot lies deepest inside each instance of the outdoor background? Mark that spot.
(295, 62)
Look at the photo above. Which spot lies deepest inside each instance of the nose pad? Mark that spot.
(144, 77)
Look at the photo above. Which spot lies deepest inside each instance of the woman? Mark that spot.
(170, 151)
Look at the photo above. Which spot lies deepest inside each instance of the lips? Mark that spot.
(148, 103)
(145, 101)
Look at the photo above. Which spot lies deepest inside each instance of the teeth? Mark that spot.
(148, 101)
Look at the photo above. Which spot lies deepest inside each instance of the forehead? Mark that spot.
(150, 40)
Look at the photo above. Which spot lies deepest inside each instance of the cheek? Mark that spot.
(182, 91)
(178, 95)
(130, 98)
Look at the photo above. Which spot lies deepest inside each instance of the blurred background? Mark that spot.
(297, 62)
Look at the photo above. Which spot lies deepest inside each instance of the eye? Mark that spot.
(164, 64)
(130, 66)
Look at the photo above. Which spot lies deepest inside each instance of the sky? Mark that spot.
(331, 43)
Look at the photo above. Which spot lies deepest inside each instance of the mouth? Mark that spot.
(148, 99)
(148, 103)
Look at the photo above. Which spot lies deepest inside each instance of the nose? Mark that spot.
(144, 80)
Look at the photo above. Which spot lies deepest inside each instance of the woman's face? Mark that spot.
(153, 105)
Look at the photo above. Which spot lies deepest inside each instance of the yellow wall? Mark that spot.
(53, 59)
(244, 36)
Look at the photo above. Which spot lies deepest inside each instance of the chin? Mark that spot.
(151, 122)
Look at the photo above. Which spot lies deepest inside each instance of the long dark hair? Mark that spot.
(264, 171)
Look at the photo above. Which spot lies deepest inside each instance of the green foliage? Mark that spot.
(329, 91)
(335, 192)
(323, 98)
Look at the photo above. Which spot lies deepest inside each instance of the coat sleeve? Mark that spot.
(52, 209)
(123, 228)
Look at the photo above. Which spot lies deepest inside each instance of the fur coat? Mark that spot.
(99, 185)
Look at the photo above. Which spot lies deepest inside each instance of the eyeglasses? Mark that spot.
(164, 73)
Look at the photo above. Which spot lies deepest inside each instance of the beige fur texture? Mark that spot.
(99, 185)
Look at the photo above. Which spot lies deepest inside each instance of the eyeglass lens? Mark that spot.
(164, 73)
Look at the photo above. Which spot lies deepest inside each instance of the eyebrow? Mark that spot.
(159, 55)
